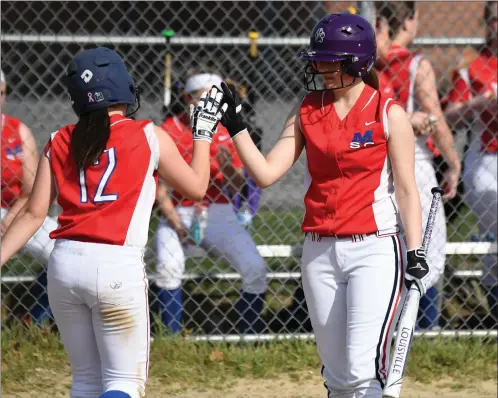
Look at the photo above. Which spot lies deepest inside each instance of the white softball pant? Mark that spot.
(481, 193)
(40, 245)
(425, 177)
(224, 237)
(98, 295)
(354, 292)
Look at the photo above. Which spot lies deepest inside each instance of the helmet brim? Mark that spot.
(324, 57)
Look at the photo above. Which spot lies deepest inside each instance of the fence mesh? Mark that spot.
(260, 253)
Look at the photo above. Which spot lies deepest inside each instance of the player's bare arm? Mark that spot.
(462, 113)
(427, 95)
(401, 146)
(31, 216)
(265, 171)
(167, 209)
(190, 180)
(29, 165)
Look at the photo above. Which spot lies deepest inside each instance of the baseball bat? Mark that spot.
(168, 34)
(408, 317)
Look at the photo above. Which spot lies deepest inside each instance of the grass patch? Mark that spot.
(34, 360)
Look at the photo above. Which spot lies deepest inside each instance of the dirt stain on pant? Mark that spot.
(119, 319)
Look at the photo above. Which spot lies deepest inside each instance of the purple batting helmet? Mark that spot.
(341, 37)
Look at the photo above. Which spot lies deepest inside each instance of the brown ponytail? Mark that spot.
(90, 136)
(372, 79)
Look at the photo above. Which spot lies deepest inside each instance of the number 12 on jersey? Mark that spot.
(100, 196)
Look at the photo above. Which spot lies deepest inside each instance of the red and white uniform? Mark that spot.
(353, 257)
(478, 77)
(40, 245)
(401, 68)
(223, 235)
(480, 172)
(12, 154)
(97, 285)
(111, 201)
(354, 194)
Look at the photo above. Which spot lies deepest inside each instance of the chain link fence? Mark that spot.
(252, 245)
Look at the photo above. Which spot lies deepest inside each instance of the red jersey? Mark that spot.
(385, 86)
(179, 129)
(12, 154)
(401, 70)
(479, 76)
(349, 174)
(111, 201)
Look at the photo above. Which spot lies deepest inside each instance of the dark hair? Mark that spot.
(90, 136)
(372, 79)
(395, 12)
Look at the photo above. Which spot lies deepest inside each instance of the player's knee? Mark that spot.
(254, 278)
(170, 274)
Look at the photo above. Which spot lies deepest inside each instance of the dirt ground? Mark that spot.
(306, 385)
(313, 388)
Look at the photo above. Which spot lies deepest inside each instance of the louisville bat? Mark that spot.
(408, 317)
(168, 34)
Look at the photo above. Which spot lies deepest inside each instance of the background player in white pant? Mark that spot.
(223, 235)
(473, 100)
(104, 171)
(19, 161)
(358, 143)
(413, 80)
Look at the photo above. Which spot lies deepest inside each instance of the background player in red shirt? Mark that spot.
(414, 83)
(359, 145)
(420, 121)
(104, 172)
(19, 161)
(223, 234)
(473, 101)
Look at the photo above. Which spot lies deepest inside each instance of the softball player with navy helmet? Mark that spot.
(359, 146)
(104, 171)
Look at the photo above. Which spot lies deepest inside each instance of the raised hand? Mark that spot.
(204, 117)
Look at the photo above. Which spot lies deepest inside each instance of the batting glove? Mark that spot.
(417, 270)
(232, 118)
(207, 114)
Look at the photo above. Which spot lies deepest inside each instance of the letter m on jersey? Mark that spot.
(360, 140)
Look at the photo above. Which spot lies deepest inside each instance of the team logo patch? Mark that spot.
(362, 140)
(319, 35)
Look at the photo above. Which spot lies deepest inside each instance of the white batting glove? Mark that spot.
(204, 118)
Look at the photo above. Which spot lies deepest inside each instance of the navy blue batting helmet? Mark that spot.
(97, 78)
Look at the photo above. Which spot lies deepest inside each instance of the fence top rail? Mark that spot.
(209, 40)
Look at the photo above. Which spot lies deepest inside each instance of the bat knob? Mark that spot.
(438, 190)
